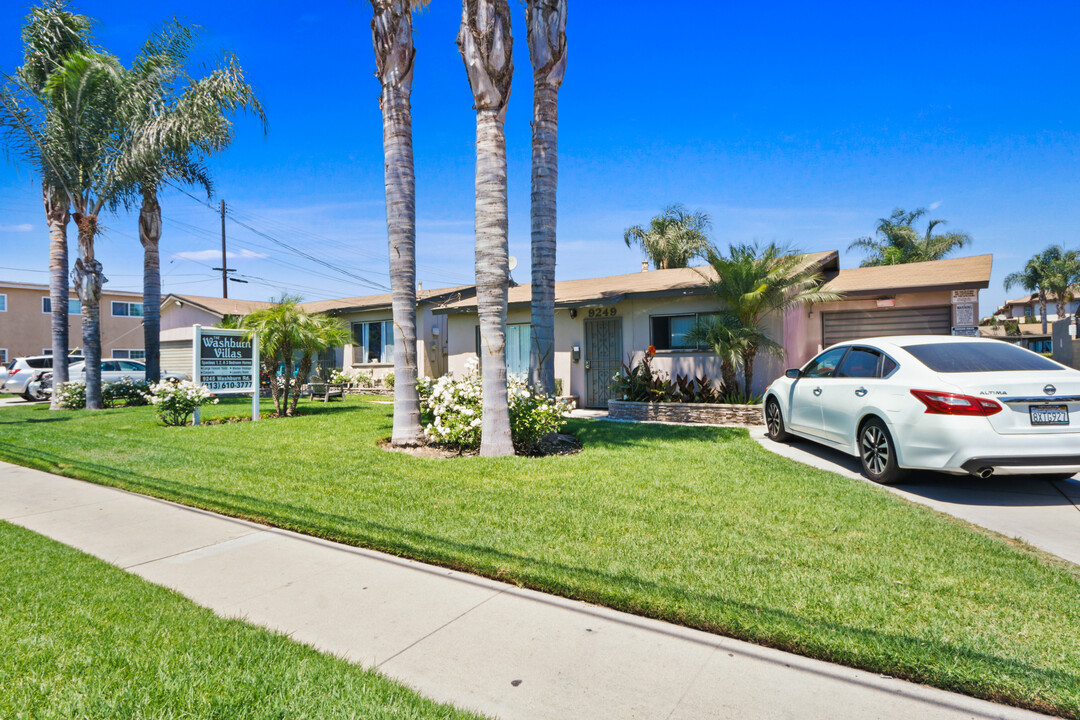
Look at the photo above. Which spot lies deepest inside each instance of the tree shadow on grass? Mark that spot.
(602, 434)
(952, 666)
(35, 420)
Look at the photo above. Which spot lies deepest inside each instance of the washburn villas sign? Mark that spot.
(226, 362)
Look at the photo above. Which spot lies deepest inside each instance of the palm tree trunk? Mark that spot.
(728, 377)
(748, 371)
(88, 280)
(545, 174)
(270, 367)
(150, 236)
(301, 376)
(492, 280)
(287, 385)
(546, 21)
(1042, 310)
(391, 30)
(57, 215)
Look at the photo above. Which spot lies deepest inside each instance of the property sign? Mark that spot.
(966, 331)
(964, 314)
(227, 363)
(965, 297)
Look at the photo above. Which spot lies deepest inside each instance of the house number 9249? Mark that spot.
(602, 312)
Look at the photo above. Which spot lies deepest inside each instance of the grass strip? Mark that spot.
(698, 526)
(80, 638)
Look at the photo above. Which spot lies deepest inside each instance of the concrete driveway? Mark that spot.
(1042, 513)
(13, 401)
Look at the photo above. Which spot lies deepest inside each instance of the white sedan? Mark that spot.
(950, 404)
(116, 370)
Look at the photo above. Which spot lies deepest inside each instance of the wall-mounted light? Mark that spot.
(573, 314)
(575, 353)
(435, 330)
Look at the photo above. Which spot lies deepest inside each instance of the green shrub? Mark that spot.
(175, 402)
(125, 391)
(72, 395)
(641, 382)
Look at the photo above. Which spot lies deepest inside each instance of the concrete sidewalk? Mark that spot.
(472, 642)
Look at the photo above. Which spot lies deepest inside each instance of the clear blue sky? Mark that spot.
(789, 122)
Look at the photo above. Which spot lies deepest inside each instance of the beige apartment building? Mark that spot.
(26, 322)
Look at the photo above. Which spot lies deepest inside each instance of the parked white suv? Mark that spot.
(114, 370)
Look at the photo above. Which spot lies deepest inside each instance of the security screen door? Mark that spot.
(603, 357)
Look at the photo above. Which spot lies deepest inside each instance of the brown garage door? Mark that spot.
(852, 324)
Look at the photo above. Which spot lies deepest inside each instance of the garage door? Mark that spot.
(853, 324)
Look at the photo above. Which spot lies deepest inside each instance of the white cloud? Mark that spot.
(24, 227)
(216, 255)
(935, 205)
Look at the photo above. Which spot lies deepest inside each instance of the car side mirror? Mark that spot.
(794, 373)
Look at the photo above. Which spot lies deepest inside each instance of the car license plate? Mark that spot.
(1049, 414)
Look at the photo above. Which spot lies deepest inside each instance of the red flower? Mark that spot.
(651, 351)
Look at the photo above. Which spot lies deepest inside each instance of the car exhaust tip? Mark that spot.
(984, 472)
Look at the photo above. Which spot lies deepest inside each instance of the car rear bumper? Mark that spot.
(970, 444)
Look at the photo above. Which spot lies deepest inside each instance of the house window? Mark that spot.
(129, 354)
(1029, 311)
(375, 341)
(669, 332)
(3, 302)
(3, 355)
(74, 306)
(127, 309)
(518, 337)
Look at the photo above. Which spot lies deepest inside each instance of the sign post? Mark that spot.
(227, 363)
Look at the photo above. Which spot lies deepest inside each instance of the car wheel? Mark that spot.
(878, 453)
(774, 421)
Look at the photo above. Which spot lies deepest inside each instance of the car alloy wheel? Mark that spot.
(878, 454)
(774, 421)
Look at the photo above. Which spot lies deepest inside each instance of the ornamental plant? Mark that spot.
(450, 410)
(72, 395)
(175, 402)
(125, 391)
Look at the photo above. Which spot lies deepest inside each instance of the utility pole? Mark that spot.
(224, 261)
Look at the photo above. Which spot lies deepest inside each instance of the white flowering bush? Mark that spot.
(72, 395)
(176, 401)
(451, 407)
(351, 376)
(125, 390)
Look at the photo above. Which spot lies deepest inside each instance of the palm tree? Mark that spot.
(673, 238)
(900, 242)
(50, 34)
(1053, 271)
(486, 46)
(322, 333)
(391, 34)
(753, 282)
(546, 21)
(282, 329)
(729, 339)
(190, 119)
(71, 130)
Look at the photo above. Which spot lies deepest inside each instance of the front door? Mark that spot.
(603, 355)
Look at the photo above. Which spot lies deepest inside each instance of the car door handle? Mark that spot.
(817, 391)
(861, 392)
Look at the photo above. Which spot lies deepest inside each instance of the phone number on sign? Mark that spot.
(234, 385)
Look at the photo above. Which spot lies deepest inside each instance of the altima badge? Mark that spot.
(1049, 389)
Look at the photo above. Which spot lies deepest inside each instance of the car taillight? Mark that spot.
(943, 403)
(13, 372)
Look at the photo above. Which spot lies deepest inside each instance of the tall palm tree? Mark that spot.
(50, 34)
(753, 282)
(899, 242)
(546, 21)
(486, 46)
(190, 120)
(1033, 279)
(391, 35)
(72, 129)
(673, 238)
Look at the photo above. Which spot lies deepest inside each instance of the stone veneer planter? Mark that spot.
(710, 413)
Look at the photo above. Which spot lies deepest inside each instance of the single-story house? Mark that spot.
(369, 320)
(1030, 336)
(602, 323)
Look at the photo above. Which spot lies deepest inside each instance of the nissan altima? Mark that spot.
(950, 404)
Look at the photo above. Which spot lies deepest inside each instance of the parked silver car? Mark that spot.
(24, 374)
(114, 370)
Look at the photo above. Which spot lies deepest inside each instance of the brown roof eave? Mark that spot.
(885, 292)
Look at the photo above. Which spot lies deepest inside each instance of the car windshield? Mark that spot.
(979, 357)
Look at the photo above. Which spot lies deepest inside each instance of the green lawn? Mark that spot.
(698, 526)
(82, 639)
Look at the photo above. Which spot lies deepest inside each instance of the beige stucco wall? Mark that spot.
(26, 330)
(185, 315)
(635, 314)
(430, 347)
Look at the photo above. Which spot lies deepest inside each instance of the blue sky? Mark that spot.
(784, 122)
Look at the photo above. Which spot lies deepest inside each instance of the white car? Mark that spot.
(950, 404)
(116, 370)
